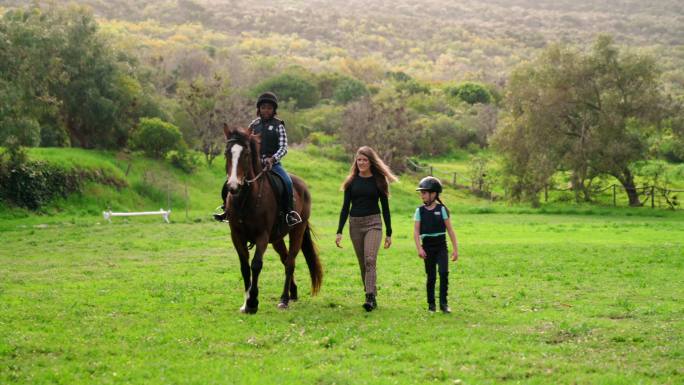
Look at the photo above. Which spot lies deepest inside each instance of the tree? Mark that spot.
(471, 93)
(587, 113)
(381, 123)
(349, 89)
(67, 76)
(291, 86)
(207, 104)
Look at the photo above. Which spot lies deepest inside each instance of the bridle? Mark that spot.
(244, 181)
(241, 198)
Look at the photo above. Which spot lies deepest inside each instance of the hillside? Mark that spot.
(429, 39)
(151, 185)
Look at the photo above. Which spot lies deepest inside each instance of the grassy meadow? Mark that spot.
(562, 294)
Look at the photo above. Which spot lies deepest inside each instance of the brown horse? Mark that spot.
(254, 218)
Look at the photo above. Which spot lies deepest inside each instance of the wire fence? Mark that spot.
(615, 194)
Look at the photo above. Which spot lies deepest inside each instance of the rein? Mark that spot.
(250, 181)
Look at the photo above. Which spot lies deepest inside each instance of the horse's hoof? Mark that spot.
(248, 310)
(283, 306)
(293, 299)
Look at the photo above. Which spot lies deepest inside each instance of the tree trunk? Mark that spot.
(75, 134)
(627, 180)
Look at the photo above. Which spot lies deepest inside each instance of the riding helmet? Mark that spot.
(430, 183)
(268, 97)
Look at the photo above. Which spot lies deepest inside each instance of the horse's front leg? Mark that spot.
(289, 292)
(243, 254)
(252, 302)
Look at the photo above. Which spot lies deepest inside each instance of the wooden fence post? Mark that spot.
(614, 201)
(652, 196)
(453, 180)
(431, 171)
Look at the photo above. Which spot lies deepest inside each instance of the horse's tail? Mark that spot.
(310, 251)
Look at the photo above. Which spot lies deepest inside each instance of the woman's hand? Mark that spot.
(454, 255)
(338, 239)
(421, 253)
(388, 242)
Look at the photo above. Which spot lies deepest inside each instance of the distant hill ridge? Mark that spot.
(468, 36)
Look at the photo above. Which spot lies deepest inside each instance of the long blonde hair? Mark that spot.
(382, 173)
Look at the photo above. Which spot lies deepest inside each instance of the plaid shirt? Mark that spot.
(282, 143)
(282, 140)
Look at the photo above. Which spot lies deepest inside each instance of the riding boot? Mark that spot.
(292, 217)
(221, 214)
(370, 299)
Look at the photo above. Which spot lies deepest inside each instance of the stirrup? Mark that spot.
(293, 218)
(220, 214)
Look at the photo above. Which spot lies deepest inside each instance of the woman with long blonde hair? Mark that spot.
(367, 183)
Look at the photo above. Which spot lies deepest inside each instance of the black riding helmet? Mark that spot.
(268, 97)
(430, 183)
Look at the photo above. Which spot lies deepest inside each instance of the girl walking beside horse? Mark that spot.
(366, 185)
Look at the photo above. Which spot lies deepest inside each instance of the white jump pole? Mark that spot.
(109, 214)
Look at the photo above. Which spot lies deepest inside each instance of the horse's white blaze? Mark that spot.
(235, 151)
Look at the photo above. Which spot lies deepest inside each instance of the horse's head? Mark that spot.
(241, 157)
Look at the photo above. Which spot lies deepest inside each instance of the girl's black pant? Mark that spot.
(437, 258)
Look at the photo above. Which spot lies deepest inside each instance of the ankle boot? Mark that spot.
(368, 305)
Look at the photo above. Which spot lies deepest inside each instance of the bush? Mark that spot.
(471, 93)
(440, 134)
(156, 137)
(25, 130)
(349, 89)
(672, 150)
(33, 184)
(291, 86)
(184, 160)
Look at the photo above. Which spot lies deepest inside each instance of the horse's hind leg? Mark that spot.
(281, 249)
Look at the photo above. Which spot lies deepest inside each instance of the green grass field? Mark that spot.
(562, 294)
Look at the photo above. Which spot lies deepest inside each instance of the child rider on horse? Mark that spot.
(273, 149)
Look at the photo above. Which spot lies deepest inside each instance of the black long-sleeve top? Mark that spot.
(363, 195)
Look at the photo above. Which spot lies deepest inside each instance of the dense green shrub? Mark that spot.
(156, 137)
(471, 93)
(672, 150)
(26, 130)
(184, 160)
(291, 86)
(32, 184)
(349, 89)
(440, 134)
